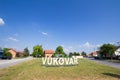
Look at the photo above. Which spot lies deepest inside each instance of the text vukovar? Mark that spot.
(59, 61)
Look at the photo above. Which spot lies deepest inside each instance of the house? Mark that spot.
(94, 54)
(13, 52)
(16, 53)
(48, 53)
(117, 52)
(90, 55)
(19, 54)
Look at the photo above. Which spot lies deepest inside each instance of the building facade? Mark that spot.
(48, 53)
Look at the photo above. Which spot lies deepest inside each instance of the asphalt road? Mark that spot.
(112, 64)
(7, 63)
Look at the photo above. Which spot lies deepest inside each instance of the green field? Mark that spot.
(85, 70)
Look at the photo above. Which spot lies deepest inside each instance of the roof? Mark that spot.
(94, 53)
(117, 47)
(12, 49)
(49, 52)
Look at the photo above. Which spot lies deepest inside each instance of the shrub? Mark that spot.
(8, 54)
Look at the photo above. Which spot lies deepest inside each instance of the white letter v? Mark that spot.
(44, 61)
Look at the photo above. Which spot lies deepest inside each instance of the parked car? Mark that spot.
(6, 57)
(1, 52)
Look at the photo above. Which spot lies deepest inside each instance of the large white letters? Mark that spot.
(59, 61)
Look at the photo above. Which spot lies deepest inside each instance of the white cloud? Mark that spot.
(62, 45)
(87, 47)
(13, 39)
(98, 45)
(2, 21)
(87, 44)
(68, 49)
(44, 33)
(112, 43)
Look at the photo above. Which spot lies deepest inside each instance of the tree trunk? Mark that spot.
(111, 57)
(105, 56)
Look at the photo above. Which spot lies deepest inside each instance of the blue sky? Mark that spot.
(77, 25)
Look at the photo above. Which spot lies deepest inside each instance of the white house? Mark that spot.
(117, 52)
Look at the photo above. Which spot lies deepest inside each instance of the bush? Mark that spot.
(8, 54)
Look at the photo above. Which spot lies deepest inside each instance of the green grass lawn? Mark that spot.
(115, 61)
(85, 70)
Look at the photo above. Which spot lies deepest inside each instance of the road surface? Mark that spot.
(7, 63)
(112, 64)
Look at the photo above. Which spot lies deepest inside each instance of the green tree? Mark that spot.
(84, 54)
(76, 54)
(5, 50)
(26, 52)
(59, 52)
(70, 54)
(38, 51)
(8, 54)
(107, 49)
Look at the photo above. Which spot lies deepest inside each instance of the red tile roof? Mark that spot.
(94, 53)
(49, 52)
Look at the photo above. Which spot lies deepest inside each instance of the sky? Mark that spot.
(76, 25)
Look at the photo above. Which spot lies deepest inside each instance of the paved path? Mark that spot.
(112, 64)
(7, 63)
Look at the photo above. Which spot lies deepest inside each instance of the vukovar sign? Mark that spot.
(59, 61)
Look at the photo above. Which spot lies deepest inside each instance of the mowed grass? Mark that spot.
(85, 70)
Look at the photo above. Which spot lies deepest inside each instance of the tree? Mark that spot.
(5, 50)
(6, 53)
(76, 54)
(59, 52)
(107, 49)
(26, 52)
(83, 54)
(70, 54)
(38, 51)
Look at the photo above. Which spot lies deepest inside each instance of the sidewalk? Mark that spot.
(112, 64)
(7, 63)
